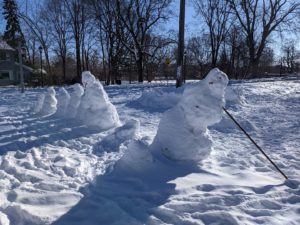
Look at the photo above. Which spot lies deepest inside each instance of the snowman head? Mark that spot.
(78, 90)
(51, 91)
(87, 78)
(216, 80)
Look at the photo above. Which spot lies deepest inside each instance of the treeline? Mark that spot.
(132, 39)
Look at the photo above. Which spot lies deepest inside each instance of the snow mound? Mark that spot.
(96, 110)
(121, 134)
(50, 103)
(3, 219)
(136, 158)
(234, 97)
(182, 132)
(74, 102)
(158, 100)
(63, 99)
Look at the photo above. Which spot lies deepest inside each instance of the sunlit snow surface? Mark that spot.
(58, 171)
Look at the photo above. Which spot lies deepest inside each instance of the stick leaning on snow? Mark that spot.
(256, 145)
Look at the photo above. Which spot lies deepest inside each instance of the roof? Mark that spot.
(5, 46)
(39, 71)
(25, 67)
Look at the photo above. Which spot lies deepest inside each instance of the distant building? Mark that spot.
(9, 68)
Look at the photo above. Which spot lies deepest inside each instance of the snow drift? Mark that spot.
(182, 132)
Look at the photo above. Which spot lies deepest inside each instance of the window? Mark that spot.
(3, 56)
(4, 75)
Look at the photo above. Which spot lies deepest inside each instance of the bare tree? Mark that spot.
(111, 34)
(31, 47)
(216, 16)
(258, 19)
(139, 18)
(76, 10)
(198, 52)
(237, 52)
(291, 55)
(58, 23)
(38, 27)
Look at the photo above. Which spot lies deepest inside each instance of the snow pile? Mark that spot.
(158, 100)
(182, 132)
(74, 100)
(96, 110)
(3, 219)
(50, 102)
(137, 158)
(120, 135)
(63, 99)
(234, 96)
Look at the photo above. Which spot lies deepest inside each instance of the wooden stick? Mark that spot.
(257, 146)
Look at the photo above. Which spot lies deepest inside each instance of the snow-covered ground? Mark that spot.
(58, 170)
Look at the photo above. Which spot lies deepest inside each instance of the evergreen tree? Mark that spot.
(13, 30)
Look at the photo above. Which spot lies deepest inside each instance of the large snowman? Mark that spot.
(182, 132)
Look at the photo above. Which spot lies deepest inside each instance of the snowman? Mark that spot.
(50, 102)
(63, 99)
(75, 98)
(182, 132)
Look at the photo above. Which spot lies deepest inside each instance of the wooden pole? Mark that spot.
(180, 55)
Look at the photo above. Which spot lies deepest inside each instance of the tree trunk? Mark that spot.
(64, 68)
(78, 60)
(140, 69)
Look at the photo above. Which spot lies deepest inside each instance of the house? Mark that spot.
(9, 68)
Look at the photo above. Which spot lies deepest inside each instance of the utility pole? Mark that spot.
(180, 55)
(21, 67)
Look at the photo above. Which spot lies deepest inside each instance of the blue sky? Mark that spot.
(192, 23)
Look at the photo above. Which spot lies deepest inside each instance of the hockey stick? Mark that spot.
(257, 146)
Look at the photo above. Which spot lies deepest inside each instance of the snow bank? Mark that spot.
(63, 99)
(50, 103)
(182, 132)
(95, 109)
(74, 102)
